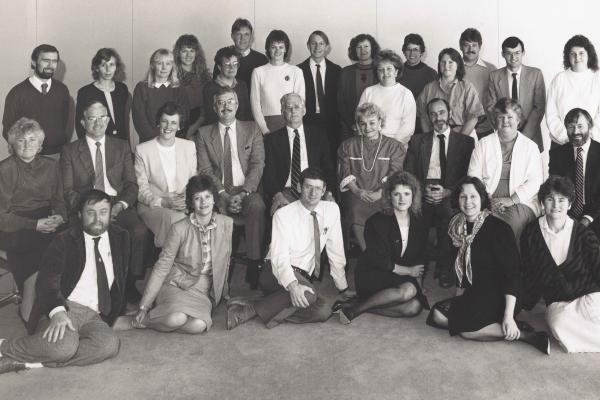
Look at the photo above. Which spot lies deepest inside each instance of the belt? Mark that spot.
(303, 273)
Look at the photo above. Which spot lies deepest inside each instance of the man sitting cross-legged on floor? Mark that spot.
(80, 287)
(300, 232)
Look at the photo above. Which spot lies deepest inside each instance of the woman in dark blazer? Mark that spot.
(388, 272)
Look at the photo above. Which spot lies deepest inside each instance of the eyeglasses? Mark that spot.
(229, 102)
(101, 118)
(295, 107)
(413, 50)
(231, 65)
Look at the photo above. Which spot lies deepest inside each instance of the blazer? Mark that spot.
(250, 149)
(62, 266)
(78, 171)
(278, 158)
(458, 156)
(532, 98)
(562, 162)
(150, 174)
(332, 76)
(182, 255)
(526, 171)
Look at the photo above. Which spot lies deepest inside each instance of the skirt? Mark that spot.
(193, 302)
(358, 211)
(473, 311)
(576, 324)
(369, 281)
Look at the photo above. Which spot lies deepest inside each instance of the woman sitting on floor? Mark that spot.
(387, 272)
(487, 269)
(561, 263)
(190, 277)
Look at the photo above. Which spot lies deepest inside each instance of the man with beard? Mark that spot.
(80, 290)
(579, 160)
(42, 98)
(439, 159)
(233, 154)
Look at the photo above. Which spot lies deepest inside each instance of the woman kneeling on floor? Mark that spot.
(487, 268)
(388, 271)
(190, 277)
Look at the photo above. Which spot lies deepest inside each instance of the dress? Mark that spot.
(495, 264)
(384, 250)
(354, 79)
(382, 158)
(118, 125)
(192, 85)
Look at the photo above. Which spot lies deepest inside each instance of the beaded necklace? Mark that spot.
(362, 157)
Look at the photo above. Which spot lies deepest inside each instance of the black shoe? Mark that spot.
(346, 314)
(8, 365)
(524, 326)
(446, 279)
(338, 304)
(541, 341)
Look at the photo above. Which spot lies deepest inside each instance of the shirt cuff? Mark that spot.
(588, 218)
(125, 205)
(344, 183)
(56, 310)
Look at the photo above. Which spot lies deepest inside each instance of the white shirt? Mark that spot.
(92, 146)
(168, 162)
(313, 70)
(510, 80)
(303, 153)
(435, 169)
(557, 242)
(165, 84)
(236, 167)
(37, 82)
(292, 242)
(86, 290)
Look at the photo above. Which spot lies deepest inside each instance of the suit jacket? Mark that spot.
(278, 158)
(150, 174)
(62, 266)
(329, 109)
(78, 170)
(458, 156)
(532, 98)
(250, 148)
(562, 162)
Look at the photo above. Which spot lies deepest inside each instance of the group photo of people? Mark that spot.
(410, 189)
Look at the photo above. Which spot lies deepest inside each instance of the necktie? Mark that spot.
(227, 169)
(104, 304)
(514, 93)
(317, 237)
(577, 208)
(44, 88)
(295, 177)
(99, 172)
(442, 158)
(320, 91)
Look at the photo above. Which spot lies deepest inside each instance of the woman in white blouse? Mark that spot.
(163, 167)
(271, 81)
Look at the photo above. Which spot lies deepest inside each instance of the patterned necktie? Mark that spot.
(99, 172)
(44, 88)
(295, 177)
(442, 158)
(227, 168)
(317, 237)
(104, 303)
(320, 91)
(514, 93)
(577, 208)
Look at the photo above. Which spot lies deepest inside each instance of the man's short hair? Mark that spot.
(581, 41)
(171, 108)
(240, 23)
(512, 42)
(43, 48)
(457, 58)
(22, 127)
(414, 38)
(196, 184)
(105, 54)
(558, 184)
(504, 105)
(471, 35)
(312, 173)
(321, 34)
(278, 36)
(89, 104)
(573, 115)
(438, 100)
(222, 91)
(361, 38)
(91, 196)
(288, 95)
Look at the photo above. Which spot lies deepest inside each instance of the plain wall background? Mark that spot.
(135, 28)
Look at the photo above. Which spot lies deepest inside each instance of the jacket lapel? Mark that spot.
(109, 157)
(241, 139)
(504, 89)
(426, 153)
(85, 157)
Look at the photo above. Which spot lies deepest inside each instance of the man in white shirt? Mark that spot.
(80, 288)
(300, 232)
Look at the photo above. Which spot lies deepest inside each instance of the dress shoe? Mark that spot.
(8, 365)
(446, 280)
(346, 314)
(239, 300)
(541, 341)
(524, 326)
(237, 314)
(338, 304)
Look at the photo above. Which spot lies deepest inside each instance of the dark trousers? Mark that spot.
(438, 216)
(276, 305)
(253, 218)
(130, 221)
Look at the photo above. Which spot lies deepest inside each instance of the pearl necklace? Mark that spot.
(362, 157)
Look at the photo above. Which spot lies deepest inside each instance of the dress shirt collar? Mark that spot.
(89, 238)
(313, 64)
(165, 84)
(222, 127)
(36, 81)
(509, 72)
(224, 84)
(34, 164)
(92, 142)
(291, 132)
(481, 63)
(245, 52)
(565, 229)
(446, 133)
(318, 209)
(212, 224)
(585, 147)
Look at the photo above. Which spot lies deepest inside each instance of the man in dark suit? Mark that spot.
(579, 160)
(233, 154)
(321, 94)
(292, 149)
(439, 159)
(80, 290)
(521, 83)
(105, 163)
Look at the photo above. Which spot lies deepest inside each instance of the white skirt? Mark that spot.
(576, 324)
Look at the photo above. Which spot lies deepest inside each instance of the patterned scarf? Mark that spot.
(457, 230)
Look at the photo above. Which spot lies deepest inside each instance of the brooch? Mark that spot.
(287, 78)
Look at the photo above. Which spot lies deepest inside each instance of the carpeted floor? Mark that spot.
(373, 358)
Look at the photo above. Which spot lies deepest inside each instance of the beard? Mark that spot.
(44, 74)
